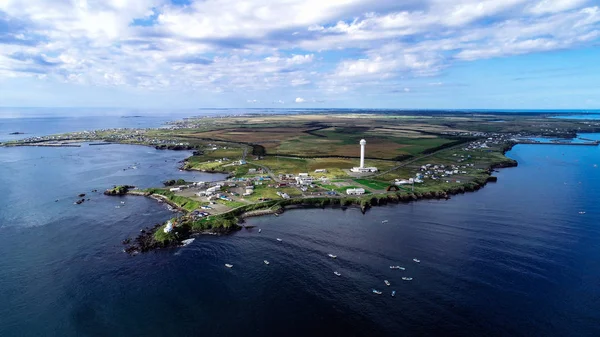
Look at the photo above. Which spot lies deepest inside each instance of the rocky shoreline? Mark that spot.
(146, 242)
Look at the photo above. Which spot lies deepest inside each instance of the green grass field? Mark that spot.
(372, 184)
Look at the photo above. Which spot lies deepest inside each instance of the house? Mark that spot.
(402, 182)
(283, 195)
(355, 191)
(175, 189)
(251, 171)
(304, 180)
(213, 189)
(321, 171)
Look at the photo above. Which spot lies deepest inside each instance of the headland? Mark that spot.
(276, 162)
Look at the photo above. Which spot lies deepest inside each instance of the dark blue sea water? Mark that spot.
(515, 258)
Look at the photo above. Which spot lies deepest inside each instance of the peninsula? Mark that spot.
(345, 159)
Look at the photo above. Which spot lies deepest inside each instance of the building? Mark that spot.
(175, 189)
(362, 168)
(304, 180)
(169, 227)
(213, 189)
(320, 171)
(355, 191)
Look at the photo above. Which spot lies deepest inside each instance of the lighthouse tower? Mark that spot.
(362, 168)
(362, 153)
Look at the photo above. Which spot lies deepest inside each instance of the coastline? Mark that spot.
(235, 218)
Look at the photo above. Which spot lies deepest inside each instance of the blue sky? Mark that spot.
(440, 54)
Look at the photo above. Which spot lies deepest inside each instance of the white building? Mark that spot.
(355, 191)
(362, 168)
(212, 190)
(169, 227)
(175, 189)
(320, 171)
(304, 180)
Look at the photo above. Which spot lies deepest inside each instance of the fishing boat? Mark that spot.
(332, 256)
(266, 262)
(228, 265)
(393, 293)
(122, 202)
(407, 278)
(278, 239)
(384, 221)
(581, 212)
(259, 230)
(387, 283)
(337, 274)
(375, 291)
(417, 260)
(397, 267)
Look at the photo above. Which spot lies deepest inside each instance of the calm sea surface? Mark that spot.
(516, 258)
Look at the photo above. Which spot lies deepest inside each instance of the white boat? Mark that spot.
(337, 274)
(117, 206)
(384, 221)
(228, 265)
(122, 202)
(266, 262)
(387, 283)
(187, 242)
(259, 230)
(375, 291)
(417, 260)
(407, 278)
(278, 239)
(581, 212)
(393, 293)
(332, 256)
(397, 267)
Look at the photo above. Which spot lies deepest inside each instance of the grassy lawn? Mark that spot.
(231, 204)
(183, 202)
(375, 185)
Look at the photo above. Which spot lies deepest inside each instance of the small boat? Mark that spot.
(278, 239)
(187, 242)
(228, 265)
(259, 230)
(117, 206)
(417, 260)
(266, 262)
(122, 202)
(397, 267)
(337, 274)
(407, 278)
(375, 291)
(384, 221)
(581, 212)
(332, 256)
(393, 293)
(387, 283)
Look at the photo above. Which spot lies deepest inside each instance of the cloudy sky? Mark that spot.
(301, 53)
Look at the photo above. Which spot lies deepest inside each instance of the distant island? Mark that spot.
(277, 162)
(16, 133)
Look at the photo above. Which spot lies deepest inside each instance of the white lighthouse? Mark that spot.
(362, 153)
(362, 168)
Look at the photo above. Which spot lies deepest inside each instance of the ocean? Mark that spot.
(515, 258)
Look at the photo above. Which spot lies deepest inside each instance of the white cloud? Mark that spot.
(253, 46)
(300, 100)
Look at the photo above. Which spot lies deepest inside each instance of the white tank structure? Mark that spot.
(362, 153)
(362, 168)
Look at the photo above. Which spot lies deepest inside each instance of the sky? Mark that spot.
(406, 54)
